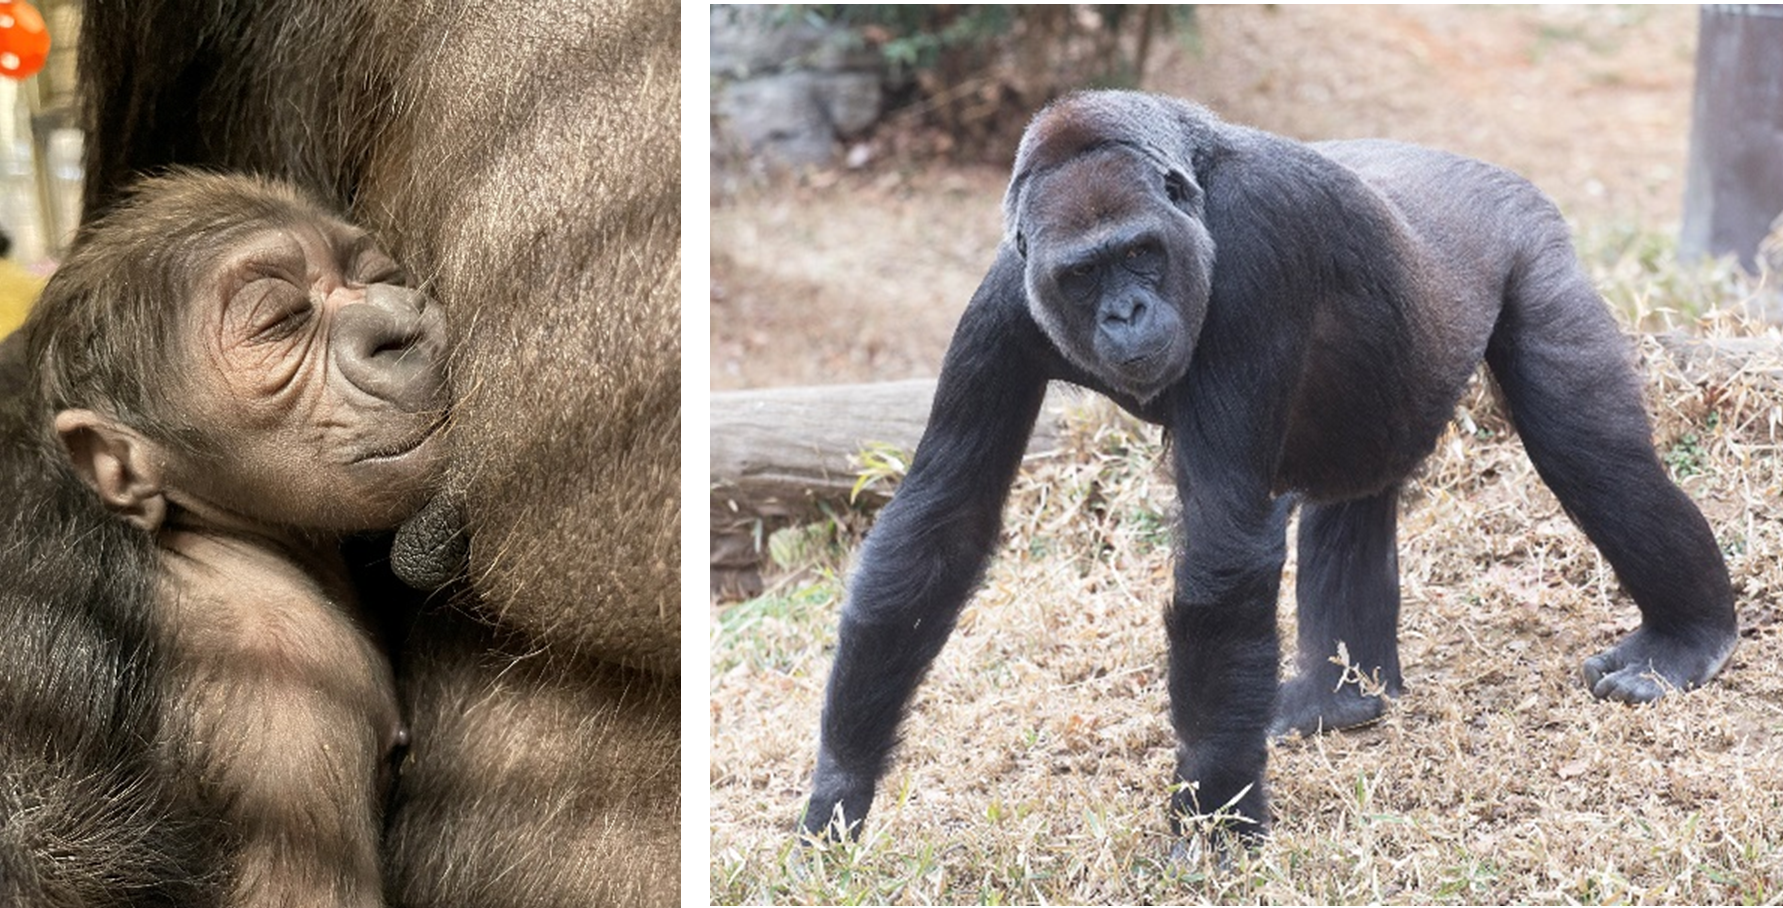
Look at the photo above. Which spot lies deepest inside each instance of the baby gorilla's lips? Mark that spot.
(405, 446)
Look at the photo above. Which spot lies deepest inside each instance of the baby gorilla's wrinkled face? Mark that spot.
(321, 375)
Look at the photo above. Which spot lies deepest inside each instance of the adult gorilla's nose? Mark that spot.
(391, 345)
(1125, 329)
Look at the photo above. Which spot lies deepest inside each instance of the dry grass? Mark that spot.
(1038, 755)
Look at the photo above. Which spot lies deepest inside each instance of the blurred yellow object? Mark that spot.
(18, 290)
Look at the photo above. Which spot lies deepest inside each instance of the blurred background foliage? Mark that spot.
(975, 73)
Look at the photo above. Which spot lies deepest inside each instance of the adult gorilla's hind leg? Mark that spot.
(1565, 370)
(1347, 592)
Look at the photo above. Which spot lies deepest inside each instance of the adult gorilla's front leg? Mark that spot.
(925, 554)
(904, 602)
(1224, 649)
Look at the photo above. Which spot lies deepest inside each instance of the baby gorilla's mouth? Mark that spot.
(406, 445)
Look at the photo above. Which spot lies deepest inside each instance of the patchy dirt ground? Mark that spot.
(1038, 754)
(861, 276)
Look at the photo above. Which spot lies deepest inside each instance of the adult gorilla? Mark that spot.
(1301, 319)
(526, 171)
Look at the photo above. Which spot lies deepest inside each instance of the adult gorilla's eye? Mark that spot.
(1077, 280)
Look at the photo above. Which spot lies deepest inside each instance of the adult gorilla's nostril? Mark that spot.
(1123, 312)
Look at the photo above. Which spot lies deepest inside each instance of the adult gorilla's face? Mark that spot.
(1118, 266)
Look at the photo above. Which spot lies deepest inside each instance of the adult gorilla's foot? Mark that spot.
(1646, 665)
(1309, 705)
(835, 790)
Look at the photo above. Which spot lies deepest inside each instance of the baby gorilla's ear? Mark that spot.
(118, 462)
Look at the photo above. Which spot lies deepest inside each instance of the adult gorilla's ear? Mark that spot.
(1182, 192)
(1012, 202)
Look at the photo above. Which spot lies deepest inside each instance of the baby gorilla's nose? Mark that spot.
(390, 346)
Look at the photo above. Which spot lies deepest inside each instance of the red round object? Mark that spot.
(24, 39)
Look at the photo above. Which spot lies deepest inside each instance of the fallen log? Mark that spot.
(780, 455)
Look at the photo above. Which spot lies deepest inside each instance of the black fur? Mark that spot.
(1354, 288)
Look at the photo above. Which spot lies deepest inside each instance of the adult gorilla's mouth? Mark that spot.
(1148, 367)
(1145, 375)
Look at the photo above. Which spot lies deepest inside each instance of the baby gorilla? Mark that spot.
(245, 378)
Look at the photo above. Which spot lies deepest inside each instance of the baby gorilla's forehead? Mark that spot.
(320, 243)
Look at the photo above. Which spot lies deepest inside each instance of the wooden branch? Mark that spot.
(1700, 358)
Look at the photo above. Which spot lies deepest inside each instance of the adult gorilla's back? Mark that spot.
(524, 160)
